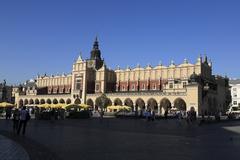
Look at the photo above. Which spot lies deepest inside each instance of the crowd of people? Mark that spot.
(150, 115)
(21, 116)
(20, 119)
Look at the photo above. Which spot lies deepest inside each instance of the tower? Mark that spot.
(95, 60)
(95, 53)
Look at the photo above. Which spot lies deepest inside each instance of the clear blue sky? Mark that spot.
(47, 35)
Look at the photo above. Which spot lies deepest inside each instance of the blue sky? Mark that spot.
(46, 36)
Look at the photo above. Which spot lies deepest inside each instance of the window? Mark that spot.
(78, 84)
(170, 85)
(184, 84)
(234, 102)
(235, 95)
(123, 88)
(97, 87)
(154, 87)
(143, 87)
(234, 89)
(133, 87)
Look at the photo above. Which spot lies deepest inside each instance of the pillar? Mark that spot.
(159, 109)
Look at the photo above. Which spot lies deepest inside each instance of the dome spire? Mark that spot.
(95, 45)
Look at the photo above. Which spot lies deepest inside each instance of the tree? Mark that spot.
(103, 102)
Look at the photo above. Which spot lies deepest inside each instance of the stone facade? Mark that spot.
(235, 92)
(6, 93)
(175, 86)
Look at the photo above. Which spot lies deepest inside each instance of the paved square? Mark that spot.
(133, 139)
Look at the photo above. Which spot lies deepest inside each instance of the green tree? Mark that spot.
(103, 101)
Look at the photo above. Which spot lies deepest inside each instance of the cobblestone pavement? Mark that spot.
(123, 139)
(10, 150)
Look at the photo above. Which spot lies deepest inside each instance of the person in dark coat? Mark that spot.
(16, 118)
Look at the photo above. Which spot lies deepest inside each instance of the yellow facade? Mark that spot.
(177, 86)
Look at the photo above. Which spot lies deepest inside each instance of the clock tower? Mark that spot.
(95, 60)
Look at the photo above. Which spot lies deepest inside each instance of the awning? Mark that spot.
(5, 104)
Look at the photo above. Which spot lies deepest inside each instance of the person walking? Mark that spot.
(166, 114)
(149, 115)
(180, 117)
(16, 118)
(24, 118)
(153, 115)
(8, 113)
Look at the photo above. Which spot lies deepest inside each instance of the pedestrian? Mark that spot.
(166, 113)
(153, 115)
(8, 113)
(24, 118)
(188, 119)
(16, 118)
(202, 121)
(149, 115)
(101, 112)
(180, 116)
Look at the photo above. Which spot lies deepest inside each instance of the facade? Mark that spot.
(161, 87)
(235, 92)
(6, 93)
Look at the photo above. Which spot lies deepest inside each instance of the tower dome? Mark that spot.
(194, 77)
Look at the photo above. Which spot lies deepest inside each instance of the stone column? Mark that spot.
(134, 107)
(159, 110)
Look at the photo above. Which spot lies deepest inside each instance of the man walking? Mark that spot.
(24, 117)
(16, 117)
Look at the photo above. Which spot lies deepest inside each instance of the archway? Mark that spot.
(61, 101)
(90, 102)
(36, 101)
(25, 102)
(140, 104)
(128, 102)
(42, 101)
(68, 101)
(20, 103)
(180, 104)
(31, 101)
(77, 101)
(49, 101)
(165, 104)
(117, 102)
(55, 101)
(152, 104)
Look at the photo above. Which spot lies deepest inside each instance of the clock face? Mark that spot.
(91, 64)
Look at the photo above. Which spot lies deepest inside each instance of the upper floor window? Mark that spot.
(234, 89)
(143, 87)
(170, 85)
(154, 87)
(234, 102)
(133, 87)
(235, 95)
(78, 84)
(97, 87)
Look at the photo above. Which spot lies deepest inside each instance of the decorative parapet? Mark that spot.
(150, 93)
(45, 96)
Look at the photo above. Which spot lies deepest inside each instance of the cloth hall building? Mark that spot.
(161, 87)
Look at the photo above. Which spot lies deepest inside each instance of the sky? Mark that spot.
(38, 37)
